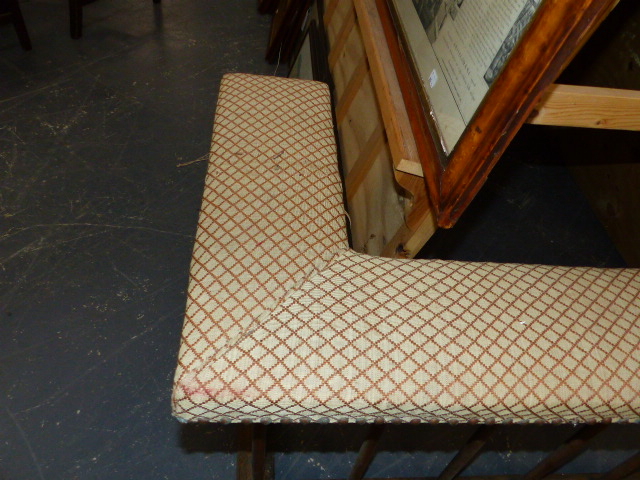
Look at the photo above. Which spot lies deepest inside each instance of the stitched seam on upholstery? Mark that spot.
(266, 315)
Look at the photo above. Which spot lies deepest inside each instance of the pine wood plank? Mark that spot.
(333, 18)
(351, 89)
(394, 114)
(330, 9)
(362, 165)
(341, 38)
(588, 107)
(351, 56)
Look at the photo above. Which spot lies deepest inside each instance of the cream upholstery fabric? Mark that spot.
(284, 322)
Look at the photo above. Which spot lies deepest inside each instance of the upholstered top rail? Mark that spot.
(284, 322)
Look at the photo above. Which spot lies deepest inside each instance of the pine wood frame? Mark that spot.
(285, 26)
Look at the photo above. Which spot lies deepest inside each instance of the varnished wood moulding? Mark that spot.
(556, 32)
(558, 29)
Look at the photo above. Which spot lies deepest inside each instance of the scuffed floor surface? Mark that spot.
(96, 229)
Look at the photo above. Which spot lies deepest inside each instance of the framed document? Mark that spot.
(471, 72)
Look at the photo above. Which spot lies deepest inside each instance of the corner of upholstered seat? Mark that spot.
(283, 321)
(272, 212)
(368, 338)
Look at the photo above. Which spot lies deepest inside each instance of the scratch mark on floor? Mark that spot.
(30, 247)
(115, 269)
(68, 76)
(99, 225)
(26, 441)
(24, 275)
(54, 396)
(43, 242)
(12, 130)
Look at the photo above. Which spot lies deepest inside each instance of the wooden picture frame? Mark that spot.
(454, 175)
(313, 14)
(285, 28)
(310, 60)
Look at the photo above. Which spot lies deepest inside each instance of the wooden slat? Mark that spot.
(244, 461)
(350, 58)
(379, 210)
(375, 209)
(259, 453)
(334, 21)
(350, 91)
(330, 9)
(367, 452)
(468, 453)
(253, 462)
(566, 452)
(360, 121)
(363, 164)
(419, 225)
(579, 106)
(341, 39)
(410, 166)
(388, 91)
(588, 107)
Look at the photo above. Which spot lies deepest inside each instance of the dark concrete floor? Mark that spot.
(96, 229)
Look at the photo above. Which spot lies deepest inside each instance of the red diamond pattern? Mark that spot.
(284, 322)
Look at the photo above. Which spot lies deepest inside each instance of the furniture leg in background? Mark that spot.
(75, 16)
(12, 8)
